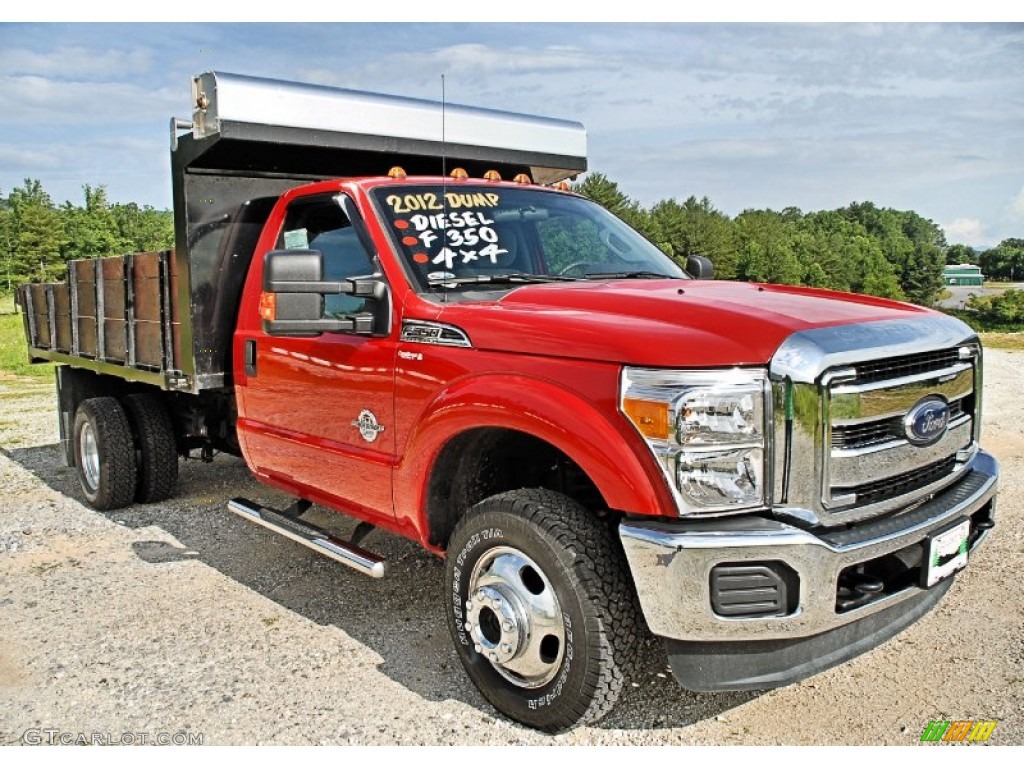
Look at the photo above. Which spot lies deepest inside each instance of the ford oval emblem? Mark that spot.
(927, 421)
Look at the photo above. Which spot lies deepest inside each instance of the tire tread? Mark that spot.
(158, 454)
(117, 452)
(593, 556)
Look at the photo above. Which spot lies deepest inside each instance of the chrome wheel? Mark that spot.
(89, 455)
(104, 453)
(514, 618)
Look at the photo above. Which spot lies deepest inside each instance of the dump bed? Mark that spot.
(167, 318)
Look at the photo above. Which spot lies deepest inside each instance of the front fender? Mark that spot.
(610, 452)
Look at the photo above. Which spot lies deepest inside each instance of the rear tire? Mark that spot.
(104, 453)
(157, 456)
(541, 608)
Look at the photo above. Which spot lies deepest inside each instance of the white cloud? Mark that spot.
(31, 99)
(27, 160)
(470, 60)
(76, 62)
(967, 231)
(1017, 205)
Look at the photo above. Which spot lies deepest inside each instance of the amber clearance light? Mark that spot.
(650, 417)
(268, 306)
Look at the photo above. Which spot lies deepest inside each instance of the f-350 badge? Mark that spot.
(368, 426)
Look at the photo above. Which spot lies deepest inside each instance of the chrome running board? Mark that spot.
(311, 536)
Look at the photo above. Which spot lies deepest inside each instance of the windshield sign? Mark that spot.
(472, 235)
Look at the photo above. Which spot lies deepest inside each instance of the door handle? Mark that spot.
(250, 357)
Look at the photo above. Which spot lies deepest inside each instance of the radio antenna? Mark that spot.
(444, 186)
(444, 146)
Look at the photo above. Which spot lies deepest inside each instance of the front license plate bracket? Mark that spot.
(945, 553)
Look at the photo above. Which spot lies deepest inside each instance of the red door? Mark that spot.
(317, 415)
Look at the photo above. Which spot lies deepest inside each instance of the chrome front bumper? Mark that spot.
(671, 561)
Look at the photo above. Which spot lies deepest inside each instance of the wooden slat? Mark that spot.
(62, 316)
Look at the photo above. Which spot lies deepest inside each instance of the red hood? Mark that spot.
(661, 323)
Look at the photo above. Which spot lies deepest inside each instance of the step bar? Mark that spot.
(311, 536)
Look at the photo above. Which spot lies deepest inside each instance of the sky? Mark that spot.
(913, 116)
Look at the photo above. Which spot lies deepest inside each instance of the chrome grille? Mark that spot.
(854, 436)
(893, 487)
(869, 463)
(841, 395)
(906, 365)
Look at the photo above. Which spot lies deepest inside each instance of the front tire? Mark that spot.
(104, 453)
(541, 608)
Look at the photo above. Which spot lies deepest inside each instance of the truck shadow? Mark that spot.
(411, 636)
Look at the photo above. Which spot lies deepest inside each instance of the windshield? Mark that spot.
(467, 235)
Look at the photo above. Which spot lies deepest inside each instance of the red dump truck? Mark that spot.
(397, 310)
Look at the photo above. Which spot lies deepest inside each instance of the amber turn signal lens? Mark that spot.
(397, 172)
(459, 174)
(522, 178)
(492, 176)
(650, 418)
(563, 186)
(268, 306)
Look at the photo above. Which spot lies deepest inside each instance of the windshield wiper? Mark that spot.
(500, 279)
(646, 275)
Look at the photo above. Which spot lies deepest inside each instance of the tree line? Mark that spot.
(1004, 262)
(860, 248)
(38, 238)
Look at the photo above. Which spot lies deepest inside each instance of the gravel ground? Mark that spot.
(179, 618)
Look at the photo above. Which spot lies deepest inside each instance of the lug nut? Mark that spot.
(507, 626)
(494, 656)
(469, 626)
(506, 648)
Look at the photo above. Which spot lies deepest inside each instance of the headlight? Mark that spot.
(707, 430)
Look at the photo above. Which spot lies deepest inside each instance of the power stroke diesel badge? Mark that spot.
(368, 426)
(927, 421)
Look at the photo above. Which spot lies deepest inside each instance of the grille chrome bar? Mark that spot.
(902, 484)
(856, 404)
(907, 365)
(871, 433)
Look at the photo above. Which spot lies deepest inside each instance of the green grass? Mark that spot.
(1002, 340)
(997, 286)
(13, 350)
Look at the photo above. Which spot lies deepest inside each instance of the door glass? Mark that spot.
(320, 225)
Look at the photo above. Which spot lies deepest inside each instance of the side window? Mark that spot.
(320, 225)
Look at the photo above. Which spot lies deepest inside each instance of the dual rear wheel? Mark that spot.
(124, 450)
